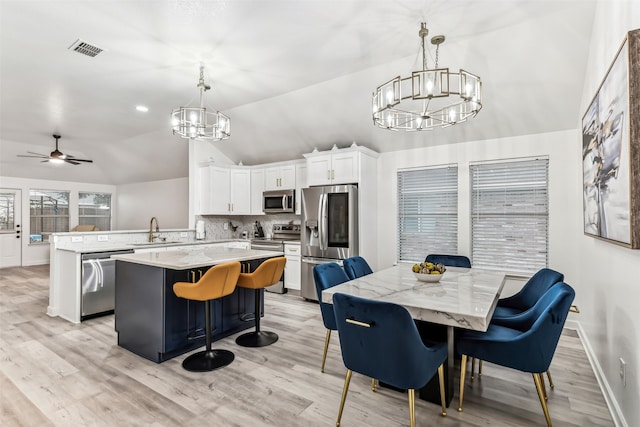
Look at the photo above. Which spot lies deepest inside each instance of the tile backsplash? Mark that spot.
(215, 225)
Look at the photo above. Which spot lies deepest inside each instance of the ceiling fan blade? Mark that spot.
(43, 155)
(39, 156)
(80, 160)
(73, 162)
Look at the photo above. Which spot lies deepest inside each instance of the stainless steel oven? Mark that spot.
(279, 201)
(281, 234)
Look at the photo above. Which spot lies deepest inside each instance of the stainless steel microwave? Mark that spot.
(278, 201)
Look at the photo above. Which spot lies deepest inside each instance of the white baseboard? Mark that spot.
(610, 399)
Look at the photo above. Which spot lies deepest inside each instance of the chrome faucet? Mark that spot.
(151, 236)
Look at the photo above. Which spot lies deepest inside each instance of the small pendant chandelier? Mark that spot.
(429, 98)
(197, 122)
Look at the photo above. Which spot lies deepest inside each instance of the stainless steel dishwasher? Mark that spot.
(98, 283)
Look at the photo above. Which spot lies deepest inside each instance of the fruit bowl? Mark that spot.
(428, 271)
(423, 277)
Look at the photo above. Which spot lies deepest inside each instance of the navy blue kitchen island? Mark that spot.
(152, 322)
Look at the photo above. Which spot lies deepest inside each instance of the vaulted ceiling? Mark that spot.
(291, 74)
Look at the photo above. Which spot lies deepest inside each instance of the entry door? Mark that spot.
(10, 228)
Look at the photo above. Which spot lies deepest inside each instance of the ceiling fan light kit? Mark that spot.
(428, 98)
(197, 122)
(56, 156)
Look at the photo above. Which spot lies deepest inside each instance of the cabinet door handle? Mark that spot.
(332, 174)
(328, 174)
(200, 271)
(193, 276)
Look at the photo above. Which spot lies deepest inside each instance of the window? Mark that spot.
(49, 212)
(427, 212)
(95, 209)
(7, 211)
(510, 215)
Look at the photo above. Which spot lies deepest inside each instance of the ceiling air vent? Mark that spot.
(85, 48)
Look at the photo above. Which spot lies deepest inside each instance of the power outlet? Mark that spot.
(226, 226)
(76, 239)
(103, 238)
(184, 234)
(623, 372)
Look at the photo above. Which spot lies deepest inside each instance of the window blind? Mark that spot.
(510, 215)
(427, 212)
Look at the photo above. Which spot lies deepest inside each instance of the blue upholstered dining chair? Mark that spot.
(356, 267)
(380, 340)
(528, 345)
(326, 276)
(450, 260)
(526, 298)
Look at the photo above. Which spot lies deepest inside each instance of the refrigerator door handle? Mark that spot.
(323, 220)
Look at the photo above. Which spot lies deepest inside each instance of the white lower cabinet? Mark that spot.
(292, 267)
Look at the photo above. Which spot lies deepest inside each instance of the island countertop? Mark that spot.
(183, 260)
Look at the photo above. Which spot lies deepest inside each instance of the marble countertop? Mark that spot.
(464, 298)
(183, 260)
(119, 246)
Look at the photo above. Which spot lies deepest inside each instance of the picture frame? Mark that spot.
(611, 151)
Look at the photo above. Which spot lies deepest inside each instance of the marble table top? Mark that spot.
(185, 259)
(464, 297)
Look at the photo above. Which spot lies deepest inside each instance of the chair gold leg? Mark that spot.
(550, 380)
(544, 387)
(344, 395)
(463, 368)
(442, 398)
(374, 384)
(473, 367)
(537, 378)
(479, 369)
(412, 407)
(326, 347)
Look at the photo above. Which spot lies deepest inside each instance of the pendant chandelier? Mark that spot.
(197, 122)
(429, 98)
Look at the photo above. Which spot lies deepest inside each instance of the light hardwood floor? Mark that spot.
(54, 373)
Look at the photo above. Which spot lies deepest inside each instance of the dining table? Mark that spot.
(463, 298)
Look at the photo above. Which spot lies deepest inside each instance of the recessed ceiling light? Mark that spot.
(142, 108)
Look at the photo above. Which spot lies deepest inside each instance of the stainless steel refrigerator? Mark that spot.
(329, 229)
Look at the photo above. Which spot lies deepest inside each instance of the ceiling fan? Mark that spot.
(56, 156)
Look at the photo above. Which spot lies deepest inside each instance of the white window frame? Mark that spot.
(509, 213)
(82, 218)
(431, 226)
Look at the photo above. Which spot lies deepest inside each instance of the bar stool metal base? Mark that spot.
(257, 339)
(204, 361)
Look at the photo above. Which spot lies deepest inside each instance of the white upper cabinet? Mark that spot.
(224, 191)
(257, 188)
(338, 166)
(301, 182)
(202, 191)
(280, 178)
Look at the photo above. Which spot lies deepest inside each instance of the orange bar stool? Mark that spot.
(267, 274)
(219, 281)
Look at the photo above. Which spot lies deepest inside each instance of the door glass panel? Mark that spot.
(338, 220)
(7, 216)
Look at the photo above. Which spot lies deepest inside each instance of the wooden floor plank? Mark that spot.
(55, 373)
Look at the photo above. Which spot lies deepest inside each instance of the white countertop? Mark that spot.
(183, 260)
(119, 246)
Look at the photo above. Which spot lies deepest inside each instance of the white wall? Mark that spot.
(35, 254)
(601, 273)
(609, 316)
(167, 200)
